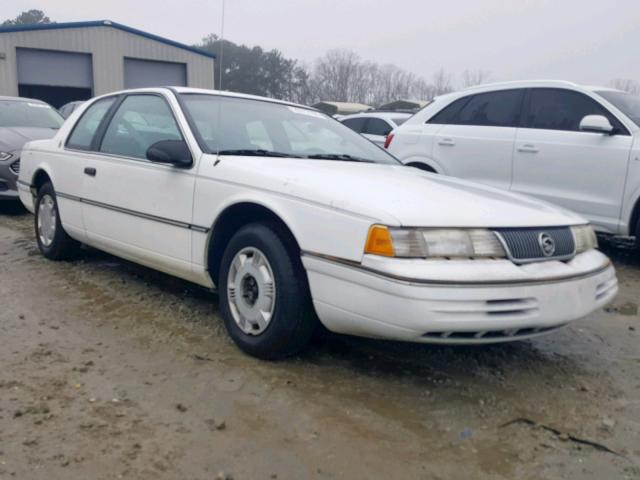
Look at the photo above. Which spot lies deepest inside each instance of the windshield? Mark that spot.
(399, 120)
(28, 114)
(626, 103)
(254, 127)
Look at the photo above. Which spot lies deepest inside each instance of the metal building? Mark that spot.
(62, 62)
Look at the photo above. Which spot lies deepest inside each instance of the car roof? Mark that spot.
(533, 84)
(204, 91)
(22, 99)
(491, 87)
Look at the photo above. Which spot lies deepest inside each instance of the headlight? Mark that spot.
(433, 242)
(585, 238)
(5, 156)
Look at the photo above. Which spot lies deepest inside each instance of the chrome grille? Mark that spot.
(15, 167)
(526, 244)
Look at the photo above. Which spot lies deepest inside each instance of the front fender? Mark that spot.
(316, 228)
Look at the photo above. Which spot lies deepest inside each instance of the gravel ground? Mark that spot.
(109, 370)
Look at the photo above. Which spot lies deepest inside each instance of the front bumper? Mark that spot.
(26, 195)
(457, 301)
(8, 179)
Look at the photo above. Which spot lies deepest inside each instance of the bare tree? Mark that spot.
(442, 82)
(626, 85)
(337, 75)
(341, 75)
(471, 78)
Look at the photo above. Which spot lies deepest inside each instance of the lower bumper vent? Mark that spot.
(490, 334)
(15, 167)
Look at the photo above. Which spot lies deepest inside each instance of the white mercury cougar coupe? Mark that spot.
(294, 218)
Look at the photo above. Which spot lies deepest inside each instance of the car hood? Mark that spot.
(14, 138)
(397, 194)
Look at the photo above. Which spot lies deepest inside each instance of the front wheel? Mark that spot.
(53, 241)
(264, 294)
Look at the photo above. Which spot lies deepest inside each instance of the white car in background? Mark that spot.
(574, 146)
(375, 125)
(294, 217)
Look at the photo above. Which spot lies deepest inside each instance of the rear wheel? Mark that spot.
(638, 234)
(264, 294)
(422, 166)
(53, 241)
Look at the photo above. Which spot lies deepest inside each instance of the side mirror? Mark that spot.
(174, 152)
(596, 124)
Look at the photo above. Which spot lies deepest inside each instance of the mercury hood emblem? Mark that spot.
(547, 244)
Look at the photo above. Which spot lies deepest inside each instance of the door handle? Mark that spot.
(90, 171)
(446, 142)
(528, 149)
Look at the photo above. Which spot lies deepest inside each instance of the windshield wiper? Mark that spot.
(338, 156)
(256, 153)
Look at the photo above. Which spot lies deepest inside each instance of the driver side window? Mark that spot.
(139, 122)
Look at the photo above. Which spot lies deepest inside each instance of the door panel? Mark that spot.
(584, 172)
(476, 141)
(555, 161)
(73, 160)
(134, 207)
(481, 154)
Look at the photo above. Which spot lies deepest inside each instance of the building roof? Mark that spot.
(103, 23)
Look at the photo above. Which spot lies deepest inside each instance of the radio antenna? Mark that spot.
(220, 68)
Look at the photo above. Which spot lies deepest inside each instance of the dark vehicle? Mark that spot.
(21, 120)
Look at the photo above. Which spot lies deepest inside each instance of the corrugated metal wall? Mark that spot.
(108, 47)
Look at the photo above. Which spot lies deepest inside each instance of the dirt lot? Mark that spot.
(109, 370)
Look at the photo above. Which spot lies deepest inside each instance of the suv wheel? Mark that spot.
(264, 294)
(53, 241)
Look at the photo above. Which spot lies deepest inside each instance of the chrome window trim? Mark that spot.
(124, 157)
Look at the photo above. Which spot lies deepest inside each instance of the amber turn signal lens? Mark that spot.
(379, 241)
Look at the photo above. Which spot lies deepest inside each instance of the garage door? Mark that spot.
(54, 68)
(150, 73)
(53, 76)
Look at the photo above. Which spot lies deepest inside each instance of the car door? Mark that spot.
(133, 207)
(77, 150)
(476, 141)
(555, 161)
(376, 130)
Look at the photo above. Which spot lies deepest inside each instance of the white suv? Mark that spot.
(575, 146)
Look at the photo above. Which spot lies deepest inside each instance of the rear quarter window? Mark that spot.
(355, 124)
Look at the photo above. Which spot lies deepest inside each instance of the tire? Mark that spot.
(273, 278)
(637, 232)
(423, 167)
(53, 241)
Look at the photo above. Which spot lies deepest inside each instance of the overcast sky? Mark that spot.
(588, 41)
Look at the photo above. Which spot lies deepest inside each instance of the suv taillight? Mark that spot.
(387, 142)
